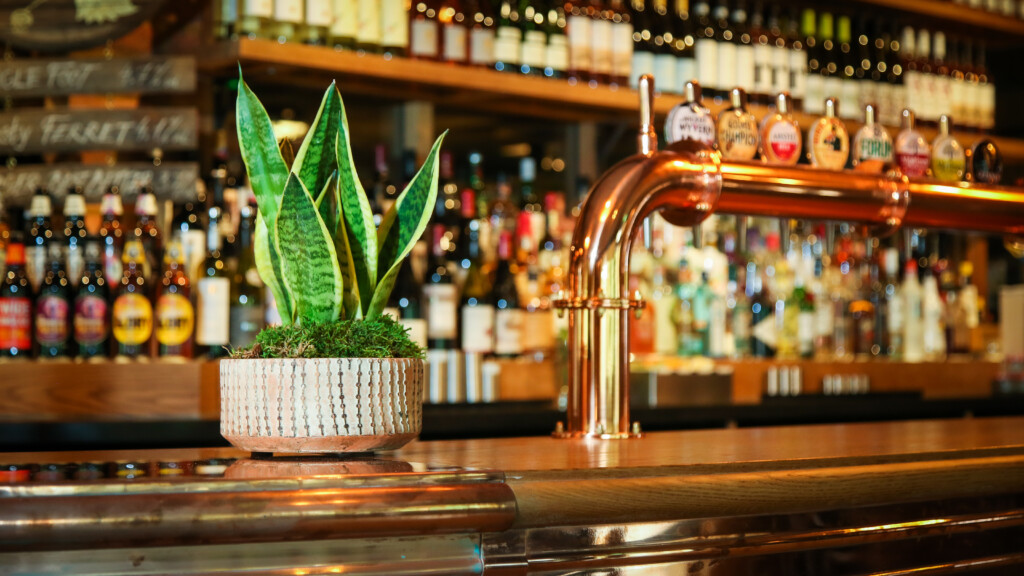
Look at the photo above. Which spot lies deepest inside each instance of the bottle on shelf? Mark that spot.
(893, 307)
(132, 311)
(213, 298)
(761, 88)
(600, 42)
(508, 38)
(246, 310)
(188, 225)
(948, 160)
(690, 120)
(621, 37)
(507, 315)
(481, 34)
(828, 139)
(744, 47)
(727, 39)
(872, 146)
(533, 47)
(316, 26)
(780, 49)
(814, 82)
(147, 232)
(74, 234)
(661, 42)
(440, 296)
(830, 64)
(913, 322)
(91, 305)
(924, 86)
(477, 308)
(289, 16)
(344, 24)
(911, 149)
(705, 47)
(763, 331)
(579, 32)
(985, 93)
(556, 56)
(112, 233)
(737, 129)
(15, 298)
(797, 60)
(942, 82)
(52, 322)
(406, 304)
(932, 319)
(255, 18)
(394, 27)
(175, 317)
(682, 22)
(40, 235)
(780, 134)
(424, 31)
(368, 32)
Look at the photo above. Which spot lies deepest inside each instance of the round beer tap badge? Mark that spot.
(690, 121)
(781, 142)
(830, 144)
(737, 135)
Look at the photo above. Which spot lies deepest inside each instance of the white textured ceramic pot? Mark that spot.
(321, 405)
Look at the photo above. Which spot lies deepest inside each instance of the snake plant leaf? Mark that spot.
(359, 227)
(327, 205)
(403, 225)
(263, 162)
(287, 152)
(308, 258)
(268, 264)
(316, 161)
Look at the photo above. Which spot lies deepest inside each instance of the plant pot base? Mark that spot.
(320, 444)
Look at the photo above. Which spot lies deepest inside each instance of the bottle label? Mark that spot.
(90, 320)
(746, 73)
(174, 319)
(830, 144)
(455, 43)
(481, 51)
(706, 53)
(557, 56)
(508, 326)
(252, 9)
(394, 25)
(727, 58)
(873, 144)
(424, 38)
(478, 328)
(368, 29)
(506, 45)
(52, 320)
(214, 311)
(948, 160)
(782, 142)
(737, 135)
(533, 49)
(579, 32)
(442, 310)
(622, 49)
(133, 319)
(40, 206)
(15, 323)
(76, 263)
(35, 264)
(690, 122)
(601, 46)
(345, 18)
(416, 328)
(288, 11)
(246, 323)
(319, 13)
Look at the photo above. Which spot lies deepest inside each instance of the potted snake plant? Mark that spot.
(337, 375)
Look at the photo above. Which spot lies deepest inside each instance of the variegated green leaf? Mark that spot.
(263, 162)
(358, 218)
(268, 264)
(327, 206)
(308, 259)
(316, 160)
(403, 225)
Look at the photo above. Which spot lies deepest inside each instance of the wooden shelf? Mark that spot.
(956, 15)
(466, 88)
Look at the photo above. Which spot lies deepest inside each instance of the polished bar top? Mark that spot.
(491, 485)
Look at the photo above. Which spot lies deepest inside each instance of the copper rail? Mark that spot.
(686, 183)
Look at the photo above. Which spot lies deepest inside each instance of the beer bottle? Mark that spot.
(246, 287)
(132, 319)
(214, 293)
(175, 317)
(91, 320)
(53, 308)
(15, 300)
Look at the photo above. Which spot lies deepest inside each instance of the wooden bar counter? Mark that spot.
(942, 496)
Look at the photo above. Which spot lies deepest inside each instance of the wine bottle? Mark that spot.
(911, 149)
(424, 31)
(289, 16)
(727, 40)
(556, 57)
(828, 139)
(948, 161)
(368, 32)
(112, 233)
(132, 314)
(508, 38)
(74, 234)
(579, 29)
(706, 47)
(175, 317)
(872, 146)
(737, 129)
(923, 51)
(683, 42)
(319, 15)
(690, 120)
(344, 24)
(814, 82)
(394, 27)
(744, 47)
(849, 86)
(481, 34)
(256, 18)
(40, 236)
(440, 296)
(797, 60)
(530, 199)
(621, 37)
(246, 309)
(780, 52)
(91, 318)
(894, 73)
(406, 304)
(600, 42)
(214, 293)
(780, 134)
(533, 48)
(942, 87)
(15, 298)
(508, 316)
(664, 50)
(188, 225)
(761, 89)
(832, 83)
(477, 307)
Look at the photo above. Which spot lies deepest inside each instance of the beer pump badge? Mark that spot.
(830, 144)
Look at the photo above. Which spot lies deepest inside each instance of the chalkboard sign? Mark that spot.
(171, 180)
(41, 77)
(36, 131)
(63, 25)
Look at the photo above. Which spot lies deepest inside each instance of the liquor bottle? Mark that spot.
(530, 201)
(662, 44)
(481, 34)
(477, 307)
(188, 225)
(849, 86)
(344, 24)
(448, 210)
(147, 232)
(869, 54)
(727, 39)
(132, 315)
(797, 60)
(600, 42)
(15, 299)
(74, 234)
(682, 44)
(814, 82)
(932, 319)
(985, 93)
(832, 84)
(621, 43)
(225, 19)
(394, 27)
(941, 95)
(802, 299)
(213, 301)
(91, 318)
(533, 48)
(872, 146)
(112, 233)
(926, 77)
(255, 19)
(508, 38)
(406, 305)
(440, 296)
(688, 341)
(829, 141)
(40, 236)
(964, 80)
(579, 29)
(502, 212)
(52, 334)
(763, 332)
(948, 159)
(743, 42)
(705, 47)
(911, 149)
(288, 18)
(424, 31)
(690, 120)
(556, 57)
(319, 15)
(893, 307)
(175, 317)
(737, 129)
(780, 134)
(368, 32)
(761, 89)
(780, 50)
(913, 328)
(507, 316)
